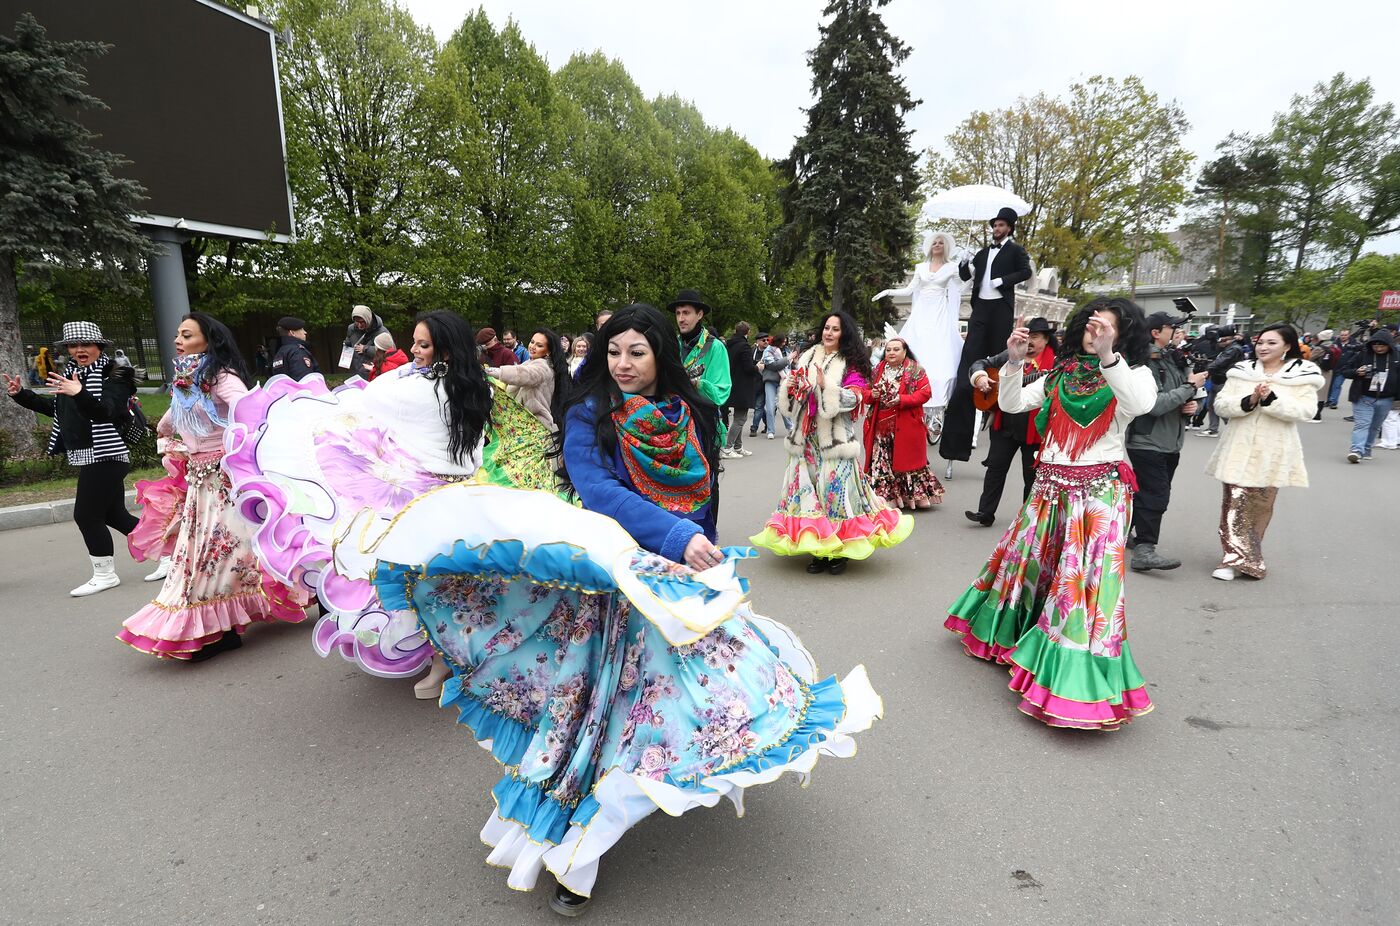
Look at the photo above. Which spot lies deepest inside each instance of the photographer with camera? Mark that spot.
(1156, 437)
(1227, 352)
(1375, 376)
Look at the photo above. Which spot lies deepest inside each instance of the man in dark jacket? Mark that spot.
(1154, 442)
(364, 327)
(743, 384)
(1010, 434)
(1375, 382)
(293, 358)
(994, 272)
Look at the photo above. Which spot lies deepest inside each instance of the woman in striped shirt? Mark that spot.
(88, 405)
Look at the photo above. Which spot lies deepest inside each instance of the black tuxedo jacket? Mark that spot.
(1011, 263)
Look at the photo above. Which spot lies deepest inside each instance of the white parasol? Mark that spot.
(974, 201)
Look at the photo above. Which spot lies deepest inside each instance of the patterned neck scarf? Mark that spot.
(106, 442)
(661, 451)
(192, 408)
(1078, 407)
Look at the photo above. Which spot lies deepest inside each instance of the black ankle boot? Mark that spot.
(230, 640)
(816, 566)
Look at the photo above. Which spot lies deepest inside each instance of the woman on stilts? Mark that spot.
(1051, 603)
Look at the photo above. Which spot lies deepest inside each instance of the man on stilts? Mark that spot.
(995, 270)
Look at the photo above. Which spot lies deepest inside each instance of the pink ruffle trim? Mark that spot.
(862, 527)
(179, 634)
(992, 652)
(161, 502)
(1042, 704)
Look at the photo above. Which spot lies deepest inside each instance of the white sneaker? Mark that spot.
(727, 454)
(1224, 573)
(104, 576)
(162, 570)
(1353, 457)
(745, 452)
(770, 435)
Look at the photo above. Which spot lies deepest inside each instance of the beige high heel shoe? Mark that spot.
(429, 687)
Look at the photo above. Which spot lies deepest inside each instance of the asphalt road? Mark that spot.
(271, 786)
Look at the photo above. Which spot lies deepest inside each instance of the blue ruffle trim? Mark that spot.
(547, 820)
(678, 586)
(549, 563)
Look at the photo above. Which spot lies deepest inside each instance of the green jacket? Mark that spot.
(708, 365)
(1163, 429)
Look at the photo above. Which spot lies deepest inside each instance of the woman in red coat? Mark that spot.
(896, 456)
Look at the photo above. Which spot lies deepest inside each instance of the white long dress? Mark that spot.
(931, 329)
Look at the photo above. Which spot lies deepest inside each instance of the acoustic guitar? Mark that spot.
(987, 401)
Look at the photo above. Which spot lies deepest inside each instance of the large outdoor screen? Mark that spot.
(194, 106)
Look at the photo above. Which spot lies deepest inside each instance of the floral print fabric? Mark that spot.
(597, 687)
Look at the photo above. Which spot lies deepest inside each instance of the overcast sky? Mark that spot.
(1230, 64)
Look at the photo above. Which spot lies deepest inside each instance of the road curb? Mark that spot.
(43, 513)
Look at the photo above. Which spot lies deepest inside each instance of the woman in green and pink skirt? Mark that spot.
(1050, 603)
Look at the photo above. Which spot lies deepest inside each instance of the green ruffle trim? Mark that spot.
(990, 622)
(808, 544)
(1076, 674)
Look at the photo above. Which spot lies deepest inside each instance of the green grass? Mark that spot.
(29, 482)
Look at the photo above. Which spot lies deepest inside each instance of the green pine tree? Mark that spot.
(857, 173)
(60, 196)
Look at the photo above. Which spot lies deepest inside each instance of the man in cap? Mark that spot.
(293, 358)
(1011, 434)
(364, 327)
(994, 271)
(493, 352)
(705, 357)
(1155, 439)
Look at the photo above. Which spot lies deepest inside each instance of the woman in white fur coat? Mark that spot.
(1263, 399)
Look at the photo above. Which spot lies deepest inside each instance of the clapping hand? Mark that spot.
(69, 385)
(12, 384)
(1262, 392)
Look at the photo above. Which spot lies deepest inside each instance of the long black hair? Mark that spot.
(1290, 338)
(851, 348)
(560, 366)
(1134, 338)
(595, 382)
(220, 352)
(460, 378)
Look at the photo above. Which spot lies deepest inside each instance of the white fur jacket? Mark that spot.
(1260, 448)
(836, 432)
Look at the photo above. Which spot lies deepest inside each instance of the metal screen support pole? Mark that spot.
(166, 270)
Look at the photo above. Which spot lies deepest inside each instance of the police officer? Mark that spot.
(293, 357)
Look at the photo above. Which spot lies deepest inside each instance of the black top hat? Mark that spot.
(1007, 215)
(688, 297)
(1040, 324)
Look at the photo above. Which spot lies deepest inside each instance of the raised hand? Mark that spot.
(69, 385)
(1098, 337)
(880, 295)
(1017, 344)
(12, 384)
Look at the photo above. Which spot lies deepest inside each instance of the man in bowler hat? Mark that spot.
(994, 271)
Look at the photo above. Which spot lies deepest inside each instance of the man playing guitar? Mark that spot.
(1009, 433)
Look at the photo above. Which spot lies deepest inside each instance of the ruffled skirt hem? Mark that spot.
(852, 538)
(178, 634)
(622, 799)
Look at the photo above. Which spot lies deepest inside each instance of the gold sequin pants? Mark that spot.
(1245, 513)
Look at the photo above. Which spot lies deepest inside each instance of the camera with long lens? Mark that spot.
(1195, 353)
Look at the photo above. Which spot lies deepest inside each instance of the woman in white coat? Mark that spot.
(931, 329)
(1263, 399)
